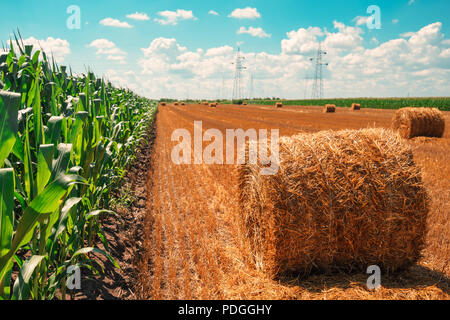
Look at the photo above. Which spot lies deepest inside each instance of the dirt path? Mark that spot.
(195, 246)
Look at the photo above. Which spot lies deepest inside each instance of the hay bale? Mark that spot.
(213, 105)
(279, 105)
(415, 122)
(329, 108)
(340, 201)
(162, 104)
(176, 104)
(206, 103)
(355, 106)
(183, 103)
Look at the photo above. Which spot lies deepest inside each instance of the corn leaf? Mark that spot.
(9, 108)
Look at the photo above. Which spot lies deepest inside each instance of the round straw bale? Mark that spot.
(213, 105)
(329, 108)
(415, 122)
(355, 106)
(279, 105)
(176, 103)
(340, 201)
(162, 104)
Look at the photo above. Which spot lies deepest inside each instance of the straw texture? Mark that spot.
(340, 201)
(415, 122)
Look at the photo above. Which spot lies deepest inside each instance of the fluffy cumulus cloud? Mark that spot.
(110, 22)
(172, 17)
(254, 32)
(140, 16)
(58, 48)
(246, 13)
(214, 13)
(108, 50)
(418, 63)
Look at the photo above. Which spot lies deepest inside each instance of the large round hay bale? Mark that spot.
(329, 108)
(279, 105)
(340, 201)
(355, 107)
(213, 104)
(415, 122)
(176, 104)
(162, 104)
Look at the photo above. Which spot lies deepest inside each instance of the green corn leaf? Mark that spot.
(6, 221)
(37, 111)
(42, 206)
(21, 289)
(54, 130)
(85, 251)
(44, 172)
(9, 109)
(62, 161)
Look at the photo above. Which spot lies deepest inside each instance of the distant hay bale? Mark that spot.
(162, 104)
(340, 201)
(206, 103)
(415, 122)
(183, 103)
(176, 104)
(329, 108)
(213, 105)
(355, 106)
(279, 105)
(244, 103)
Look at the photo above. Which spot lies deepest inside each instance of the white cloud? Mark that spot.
(446, 42)
(301, 41)
(212, 12)
(246, 13)
(419, 64)
(395, 21)
(445, 54)
(411, 2)
(110, 22)
(109, 49)
(254, 32)
(58, 48)
(172, 17)
(361, 20)
(346, 38)
(221, 51)
(141, 16)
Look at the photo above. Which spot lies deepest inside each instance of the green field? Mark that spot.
(442, 103)
(66, 142)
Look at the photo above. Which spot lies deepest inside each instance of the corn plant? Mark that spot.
(65, 140)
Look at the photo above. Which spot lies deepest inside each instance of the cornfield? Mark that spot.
(65, 141)
(442, 103)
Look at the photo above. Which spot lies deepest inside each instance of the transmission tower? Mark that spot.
(317, 90)
(237, 88)
(250, 89)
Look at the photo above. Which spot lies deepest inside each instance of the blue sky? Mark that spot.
(185, 68)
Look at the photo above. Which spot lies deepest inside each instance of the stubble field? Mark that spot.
(196, 249)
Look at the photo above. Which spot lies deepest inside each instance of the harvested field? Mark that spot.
(197, 248)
